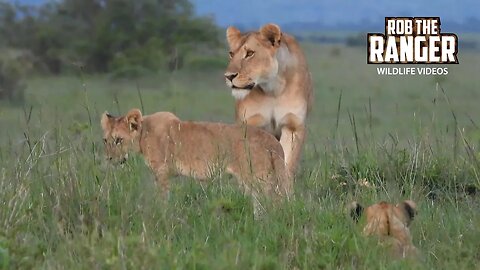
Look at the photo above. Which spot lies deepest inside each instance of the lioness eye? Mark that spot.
(104, 141)
(249, 53)
(230, 54)
(118, 140)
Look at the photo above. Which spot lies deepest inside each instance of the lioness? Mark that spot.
(390, 223)
(197, 149)
(269, 78)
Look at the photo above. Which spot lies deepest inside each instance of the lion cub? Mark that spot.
(391, 224)
(198, 149)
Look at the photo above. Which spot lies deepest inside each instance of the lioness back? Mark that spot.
(201, 149)
(249, 153)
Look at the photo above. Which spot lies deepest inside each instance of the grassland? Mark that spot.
(412, 137)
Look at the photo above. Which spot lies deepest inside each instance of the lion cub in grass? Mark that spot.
(391, 224)
(198, 149)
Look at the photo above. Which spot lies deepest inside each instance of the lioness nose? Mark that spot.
(231, 76)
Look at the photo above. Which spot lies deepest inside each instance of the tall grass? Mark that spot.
(63, 207)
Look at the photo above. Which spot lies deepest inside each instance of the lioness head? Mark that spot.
(253, 58)
(121, 134)
(390, 223)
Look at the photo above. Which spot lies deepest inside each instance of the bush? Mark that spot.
(107, 36)
(13, 69)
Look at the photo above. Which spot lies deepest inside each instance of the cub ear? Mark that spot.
(272, 33)
(233, 36)
(106, 120)
(410, 209)
(356, 211)
(134, 119)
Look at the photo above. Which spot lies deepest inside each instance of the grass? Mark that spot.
(414, 138)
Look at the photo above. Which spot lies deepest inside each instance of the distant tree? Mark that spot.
(8, 23)
(107, 35)
(14, 65)
(356, 40)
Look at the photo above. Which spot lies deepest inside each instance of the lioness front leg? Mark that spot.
(256, 120)
(292, 139)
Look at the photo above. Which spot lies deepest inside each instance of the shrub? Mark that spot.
(13, 69)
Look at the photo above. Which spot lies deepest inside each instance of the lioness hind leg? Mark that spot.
(245, 182)
(280, 178)
(292, 139)
(258, 209)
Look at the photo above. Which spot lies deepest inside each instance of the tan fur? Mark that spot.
(199, 149)
(269, 76)
(391, 224)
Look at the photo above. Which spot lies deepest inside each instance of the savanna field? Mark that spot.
(370, 138)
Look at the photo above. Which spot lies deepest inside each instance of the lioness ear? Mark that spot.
(272, 33)
(233, 36)
(356, 211)
(410, 209)
(106, 120)
(134, 119)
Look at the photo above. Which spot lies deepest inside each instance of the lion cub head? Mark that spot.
(253, 58)
(390, 223)
(121, 134)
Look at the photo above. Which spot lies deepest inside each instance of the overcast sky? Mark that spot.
(257, 12)
(333, 12)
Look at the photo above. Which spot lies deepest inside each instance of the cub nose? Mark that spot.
(231, 76)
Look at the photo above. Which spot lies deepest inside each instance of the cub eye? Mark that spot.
(250, 53)
(104, 141)
(118, 141)
(230, 54)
